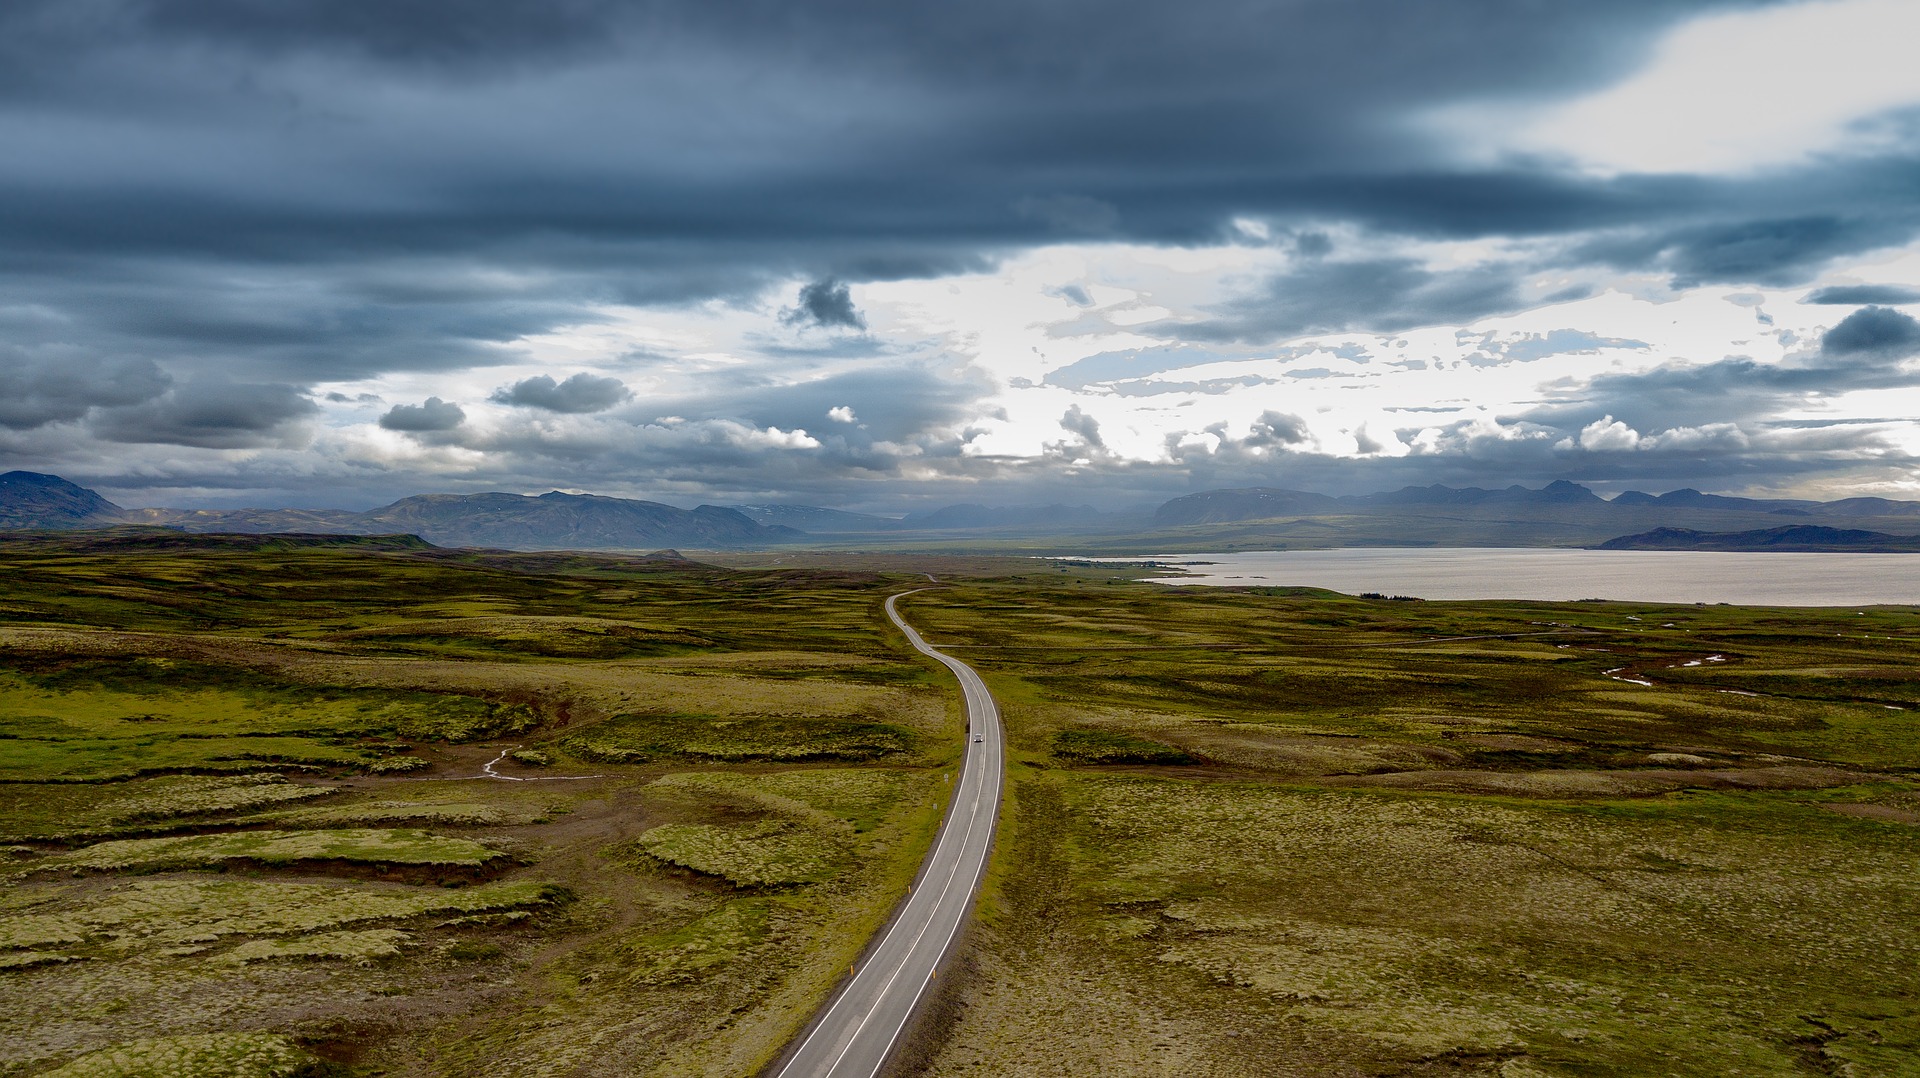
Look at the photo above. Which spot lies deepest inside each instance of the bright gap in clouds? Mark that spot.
(1046, 361)
(1730, 93)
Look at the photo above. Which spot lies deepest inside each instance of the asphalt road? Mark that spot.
(857, 1031)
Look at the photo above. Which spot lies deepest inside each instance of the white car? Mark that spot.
(977, 738)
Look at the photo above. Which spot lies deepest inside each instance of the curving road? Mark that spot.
(857, 1031)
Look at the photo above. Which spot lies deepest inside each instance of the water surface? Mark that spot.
(1660, 576)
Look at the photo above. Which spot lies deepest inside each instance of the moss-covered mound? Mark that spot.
(203, 1055)
(632, 739)
(1108, 747)
(371, 846)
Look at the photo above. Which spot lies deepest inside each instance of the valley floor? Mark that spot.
(272, 810)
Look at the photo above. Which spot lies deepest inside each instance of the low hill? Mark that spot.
(35, 500)
(1871, 507)
(553, 521)
(1558, 492)
(1251, 503)
(307, 521)
(1798, 537)
(566, 521)
(149, 539)
(813, 518)
(1556, 500)
(970, 517)
(1266, 503)
(1687, 497)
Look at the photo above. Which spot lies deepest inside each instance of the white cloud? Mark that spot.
(1724, 437)
(1501, 389)
(1608, 433)
(1728, 93)
(772, 438)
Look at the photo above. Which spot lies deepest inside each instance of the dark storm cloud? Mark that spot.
(211, 415)
(1874, 331)
(1210, 45)
(770, 442)
(430, 416)
(1772, 252)
(1312, 245)
(1854, 294)
(404, 31)
(42, 389)
(1863, 352)
(295, 193)
(569, 149)
(916, 121)
(578, 395)
(314, 322)
(1277, 428)
(826, 303)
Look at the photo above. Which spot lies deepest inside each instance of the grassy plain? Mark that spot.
(1274, 831)
(249, 829)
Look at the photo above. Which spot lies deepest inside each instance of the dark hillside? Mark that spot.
(566, 521)
(1253, 503)
(1799, 537)
(34, 500)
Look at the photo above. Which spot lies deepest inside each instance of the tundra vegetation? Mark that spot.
(1278, 831)
(273, 807)
(249, 803)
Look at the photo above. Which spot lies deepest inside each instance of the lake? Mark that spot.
(1660, 576)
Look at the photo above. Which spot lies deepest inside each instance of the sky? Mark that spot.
(889, 256)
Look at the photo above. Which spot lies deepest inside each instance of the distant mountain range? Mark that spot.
(1260, 503)
(553, 521)
(812, 518)
(965, 517)
(1031, 518)
(1794, 537)
(1558, 514)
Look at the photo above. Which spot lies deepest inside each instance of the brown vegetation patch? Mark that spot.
(1602, 784)
(1263, 749)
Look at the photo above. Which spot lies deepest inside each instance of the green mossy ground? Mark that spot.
(1392, 850)
(360, 846)
(78, 811)
(1108, 747)
(214, 1055)
(1268, 831)
(247, 830)
(640, 738)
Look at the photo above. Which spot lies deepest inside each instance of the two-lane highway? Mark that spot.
(855, 1034)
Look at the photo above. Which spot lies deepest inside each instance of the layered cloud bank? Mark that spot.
(330, 253)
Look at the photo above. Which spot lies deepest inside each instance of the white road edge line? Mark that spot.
(904, 959)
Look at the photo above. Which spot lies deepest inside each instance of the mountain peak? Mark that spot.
(1249, 503)
(37, 500)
